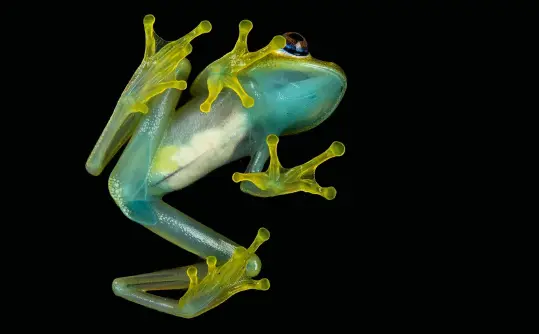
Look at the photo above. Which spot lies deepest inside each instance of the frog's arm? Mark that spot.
(278, 180)
(256, 164)
(231, 267)
(223, 73)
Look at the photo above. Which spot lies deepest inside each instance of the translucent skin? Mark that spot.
(240, 104)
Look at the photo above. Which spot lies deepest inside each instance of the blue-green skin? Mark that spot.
(292, 94)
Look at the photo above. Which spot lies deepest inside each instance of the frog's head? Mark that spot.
(299, 91)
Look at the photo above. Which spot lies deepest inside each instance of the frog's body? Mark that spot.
(272, 92)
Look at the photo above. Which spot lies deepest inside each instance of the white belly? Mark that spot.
(205, 151)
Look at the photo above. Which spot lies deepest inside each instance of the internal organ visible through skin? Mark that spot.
(206, 150)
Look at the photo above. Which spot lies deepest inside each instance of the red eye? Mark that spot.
(296, 44)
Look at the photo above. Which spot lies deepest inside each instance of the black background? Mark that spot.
(364, 259)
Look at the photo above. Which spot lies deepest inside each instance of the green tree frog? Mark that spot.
(240, 105)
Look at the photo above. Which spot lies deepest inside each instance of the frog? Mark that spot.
(239, 106)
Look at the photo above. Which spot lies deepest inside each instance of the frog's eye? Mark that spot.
(296, 44)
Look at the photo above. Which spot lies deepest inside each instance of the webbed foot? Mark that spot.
(223, 72)
(278, 180)
(171, 53)
(155, 75)
(222, 282)
(155, 90)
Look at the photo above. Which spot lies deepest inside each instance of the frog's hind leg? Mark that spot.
(136, 288)
(131, 188)
(187, 233)
(217, 283)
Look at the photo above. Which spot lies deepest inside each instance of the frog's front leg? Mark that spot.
(223, 73)
(278, 180)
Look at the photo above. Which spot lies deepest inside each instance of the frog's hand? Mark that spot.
(223, 73)
(278, 180)
(219, 283)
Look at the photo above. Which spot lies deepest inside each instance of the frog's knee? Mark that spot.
(119, 287)
(254, 265)
(127, 198)
(120, 191)
(115, 190)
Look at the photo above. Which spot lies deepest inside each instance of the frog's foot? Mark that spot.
(222, 282)
(148, 22)
(156, 90)
(175, 50)
(223, 72)
(278, 180)
(146, 95)
(157, 69)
